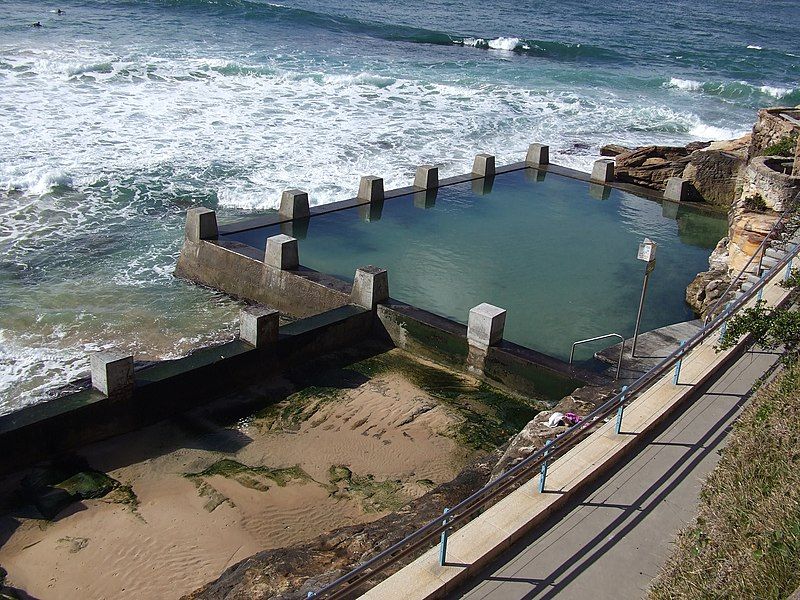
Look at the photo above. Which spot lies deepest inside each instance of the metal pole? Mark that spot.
(678, 364)
(543, 475)
(443, 542)
(639, 314)
(618, 427)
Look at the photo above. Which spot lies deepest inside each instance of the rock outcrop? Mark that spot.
(712, 168)
(770, 128)
(704, 291)
(534, 435)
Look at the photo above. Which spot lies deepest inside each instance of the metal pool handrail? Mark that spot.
(760, 252)
(463, 511)
(601, 337)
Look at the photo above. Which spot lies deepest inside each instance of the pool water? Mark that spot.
(558, 253)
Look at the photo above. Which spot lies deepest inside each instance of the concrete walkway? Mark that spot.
(612, 541)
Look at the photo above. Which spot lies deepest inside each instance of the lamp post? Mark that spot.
(647, 253)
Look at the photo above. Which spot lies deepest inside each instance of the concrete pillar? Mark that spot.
(370, 287)
(112, 373)
(603, 170)
(599, 192)
(258, 326)
(483, 165)
(201, 224)
(294, 204)
(425, 199)
(538, 154)
(427, 177)
(370, 188)
(281, 252)
(371, 212)
(485, 325)
(483, 187)
(677, 189)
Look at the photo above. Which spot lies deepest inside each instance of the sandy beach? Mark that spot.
(193, 497)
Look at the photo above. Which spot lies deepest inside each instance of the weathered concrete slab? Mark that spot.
(652, 347)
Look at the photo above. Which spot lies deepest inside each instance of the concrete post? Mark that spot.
(370, 189)
(201, 224)
(603, 170)
(294, 205)
(599, 192)
(112, 373)
(370, 287)
(281, 252)
(538, 154)
(483, 165)
(677, 189)
(425, 199)
(427, 177)
(258, 326)
(485, 325)
(371, 212)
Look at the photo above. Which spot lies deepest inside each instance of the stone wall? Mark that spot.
(770, 128)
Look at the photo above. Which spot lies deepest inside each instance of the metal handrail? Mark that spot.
(601, 337)
(462, 512)
(760, 252)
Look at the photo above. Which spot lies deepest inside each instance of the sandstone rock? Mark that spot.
(651, 166)
(534, 435)
(738, 146)
(747, 230)
(770, 128)
(613, 150)
(713, 175)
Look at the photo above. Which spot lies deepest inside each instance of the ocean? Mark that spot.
(116, 116)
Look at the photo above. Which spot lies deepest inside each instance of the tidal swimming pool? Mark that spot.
(558, 253)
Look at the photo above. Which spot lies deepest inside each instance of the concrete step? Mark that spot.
(746, 286)
(752, 278)
(776, 253)
(768, 262)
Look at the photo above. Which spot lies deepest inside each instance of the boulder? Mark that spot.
(707, 287)
(770, 128)
(713, 175)
(613, 150)
(651, 166)
(534, 435)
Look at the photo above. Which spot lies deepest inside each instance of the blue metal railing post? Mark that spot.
(760, 294)
(618, 427)
(678, 364)
(724, 327)
(443, 540)
(788, 272)
(543, 472)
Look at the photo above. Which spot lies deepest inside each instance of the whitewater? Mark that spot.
(119, 115)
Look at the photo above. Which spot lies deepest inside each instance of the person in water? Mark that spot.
(60, 12)
(37, 24)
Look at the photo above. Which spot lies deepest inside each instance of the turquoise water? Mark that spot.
(120, 114)
(560, 259)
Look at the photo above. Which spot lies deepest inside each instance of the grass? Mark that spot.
(745, 542)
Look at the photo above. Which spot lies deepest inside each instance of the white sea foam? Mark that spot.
(754, 47)
(175, 130)
(501, 43)
(703, 131)
(689, 85)
(775, 92)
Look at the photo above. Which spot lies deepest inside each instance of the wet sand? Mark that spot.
(209, 495)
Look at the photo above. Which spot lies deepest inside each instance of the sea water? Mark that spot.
(117, 116)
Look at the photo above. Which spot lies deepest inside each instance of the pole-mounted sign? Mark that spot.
(647, 253)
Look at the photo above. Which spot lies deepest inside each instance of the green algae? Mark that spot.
(289, 414)
(489, 416)
(255, 478)
(374, 495)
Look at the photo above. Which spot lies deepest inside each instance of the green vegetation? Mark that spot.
(746, 540)
(288, 414)
(375, 496)
(755, 203)
(254, 478)
(489, 416)
(775, 329)
(785, 147)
